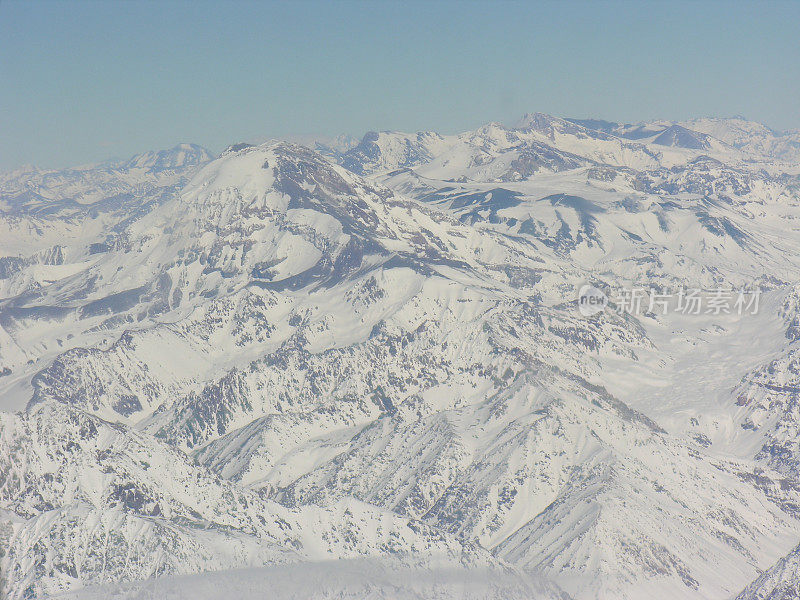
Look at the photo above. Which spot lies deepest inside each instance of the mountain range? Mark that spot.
(303, 353)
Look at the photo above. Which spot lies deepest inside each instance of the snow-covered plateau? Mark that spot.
(358, 369)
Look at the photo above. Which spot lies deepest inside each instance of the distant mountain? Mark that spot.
(754, 138)
(43, 211)
(178, 157)
(84, 185)
(680, 137)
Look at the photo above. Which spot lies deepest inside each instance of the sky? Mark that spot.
(85, 81)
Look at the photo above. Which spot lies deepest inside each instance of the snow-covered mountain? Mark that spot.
(28, 189)
(375, 353)
(780, 582)
(752, 137)
(46, 213)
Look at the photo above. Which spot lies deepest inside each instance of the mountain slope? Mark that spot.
(780, 582)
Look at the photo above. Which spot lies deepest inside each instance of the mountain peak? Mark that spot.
(179, 156)
(680, 137)
(537, 120)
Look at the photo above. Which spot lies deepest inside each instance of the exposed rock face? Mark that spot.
(780, 582)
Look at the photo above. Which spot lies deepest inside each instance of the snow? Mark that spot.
(332, 579)
(280, 360)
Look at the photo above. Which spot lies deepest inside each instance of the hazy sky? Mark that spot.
(83, 81)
